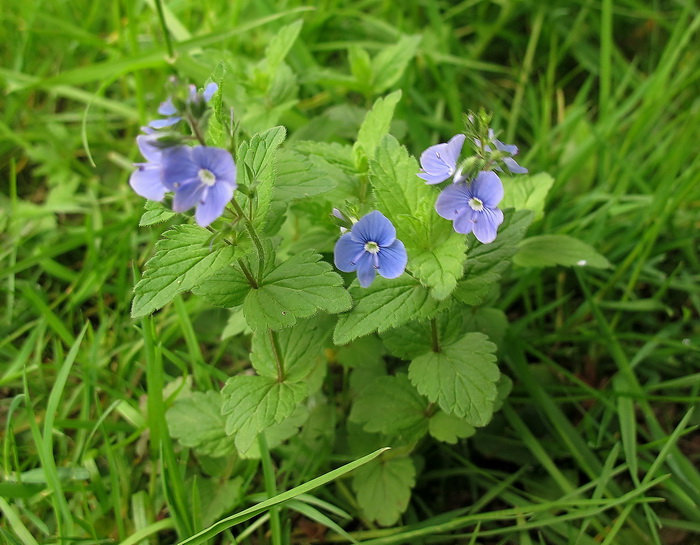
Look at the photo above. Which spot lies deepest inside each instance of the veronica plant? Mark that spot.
(264, 243)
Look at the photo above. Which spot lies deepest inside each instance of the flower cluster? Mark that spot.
(471, 202)
(198, 176)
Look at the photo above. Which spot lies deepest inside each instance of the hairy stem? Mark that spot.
(277, 353)
(248, 274)
(195, 128)
(254, 237)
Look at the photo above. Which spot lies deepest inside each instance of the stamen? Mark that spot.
(357, 257)
(206, 176)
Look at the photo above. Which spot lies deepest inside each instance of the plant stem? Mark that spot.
(279, 362)
(248, 275)
(254, 237)
(270, 489)
(195, 128)
(434, 339)
(166, 32)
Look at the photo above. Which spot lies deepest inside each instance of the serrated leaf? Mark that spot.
(277, 434)
(363, 352)
(435, 251)
(526, 192)
(153, 213)
(297, 288)
(390, 64)
(297, 177)
(182, 260)
(487, 320)
(295, 349)
(383, 488)
(216, 130)
(374, 127)
(461, 378)
(361, 66)
(487, 262)
(256, 160)
(218, 498)
(196, 422)
(385, 304)
(416, 338)
(391, 405)
(449, 428)
(252, 404)
(552, 250)
(225, 288)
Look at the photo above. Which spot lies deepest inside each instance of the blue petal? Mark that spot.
(513, 166)
(453, 200)
(508, 148)
(218, 161)
(365, 270)
(486, 226)
(439, 162)
(146, 181)
(162, 123)
(487, 187)
(187, 196)
(465, 222)
(209, 91)
(454, 148)
(147, 149)
(374, 227)
(213, 203)
(392, 260)
(178, 167)
(345, 252)
(167, 108)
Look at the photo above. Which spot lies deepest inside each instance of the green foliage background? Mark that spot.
(595, 443)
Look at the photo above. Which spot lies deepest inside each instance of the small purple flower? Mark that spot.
(439, 162)
(200, 176)
(146, 180)
(473, 207)
(510, 149)
(167, 108)
(371, 247)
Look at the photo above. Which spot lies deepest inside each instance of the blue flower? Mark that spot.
(371, 247)
(200, 176)
(146, 180)
(167, 108)
(439, 162)
(510, 149)
(473, 207)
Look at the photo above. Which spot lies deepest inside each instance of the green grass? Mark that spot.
(597, 442)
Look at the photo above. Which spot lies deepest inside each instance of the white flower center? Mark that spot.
(476, 204)
(372, 247)
(206, 177)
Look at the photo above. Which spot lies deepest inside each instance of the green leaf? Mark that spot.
(225, 288)
(361, 67)
(449, 428)
(280, 44)
(416, 338)
(218, 497)
(154, 213)
(253, 404)
(490, 321)
(297, 288)
(461, 378)
(435, 251)
(277, 434)
(183, 259)
(256, 160)
(196, 422)
(390, 64)
(391, 405)
(363, 352)
(374, 127)
(383, 488)
(217, 126)
(385, 304)
(526, 192)
(551, 250)
(487, 262)
(294, 349)
(297, 177)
